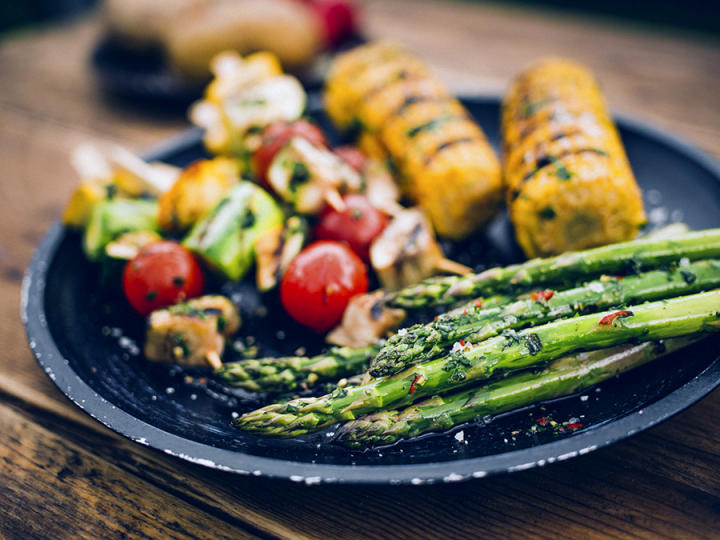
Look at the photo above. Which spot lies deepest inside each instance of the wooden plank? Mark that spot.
(74, 493)
(609, 493)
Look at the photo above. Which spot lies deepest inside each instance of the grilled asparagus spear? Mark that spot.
(634, 255)
(562, 377)
(290, 373)
(420, 343)
(505, 353)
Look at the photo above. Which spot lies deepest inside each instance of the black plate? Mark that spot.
(86, 341)
(144, 76)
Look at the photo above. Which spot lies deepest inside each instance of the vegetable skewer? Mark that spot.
(532, 347)
(634, 255)
(420, 343)
(562, 377)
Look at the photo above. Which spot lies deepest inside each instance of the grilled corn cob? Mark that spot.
(568, 179)
(443, 158)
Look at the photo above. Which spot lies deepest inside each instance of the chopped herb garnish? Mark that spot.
(110, 191)
(562, 172)
(178, 281)
(533, 344)
(355, 214)
(151, 295)
(300, 174)
(221, 324)
(247, 220)
(432, 124)
(547, 213)
(688, 276)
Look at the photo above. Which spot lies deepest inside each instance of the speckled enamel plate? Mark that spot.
(86, 340)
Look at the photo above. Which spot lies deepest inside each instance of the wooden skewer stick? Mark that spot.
(452, 267)
(213, 359)
(334, 199)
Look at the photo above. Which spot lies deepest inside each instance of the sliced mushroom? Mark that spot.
(406, 252)
(365, 321)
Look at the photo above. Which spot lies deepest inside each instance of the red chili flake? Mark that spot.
(547, 294)
(462, 343)
(414, 383)
(541, 421)
(465, 312)
(436, 318)
(478, 303)
(608, 319)
(574, 426)
(619, 278)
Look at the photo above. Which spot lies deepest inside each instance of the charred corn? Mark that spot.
(569, 182)
(402, 112)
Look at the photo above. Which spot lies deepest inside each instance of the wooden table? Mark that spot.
(64, 475)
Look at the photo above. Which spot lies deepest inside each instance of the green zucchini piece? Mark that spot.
(225, 237)
(111, 218)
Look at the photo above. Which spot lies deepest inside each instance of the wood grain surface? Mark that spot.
(63, 475)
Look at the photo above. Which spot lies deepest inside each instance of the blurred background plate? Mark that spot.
(145, 78)
(87, 342)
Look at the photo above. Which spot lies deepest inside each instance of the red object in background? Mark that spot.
(275, 136)
(319, 283)
(162, 274)
(352, 156)
(358, 225)
(339, 19)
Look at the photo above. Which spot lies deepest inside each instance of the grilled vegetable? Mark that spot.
(562, 377)
(569, 182)
(197, 191)
(366, 320)
(421, 343)
(443, 158)
(319, 283)
(128, 245)
(112, 172)
(163, 273)
(684, 316)
(111, 218)
(634, 255)
(192, 333)
(245, 96)
(308, 176)
(407, 252)
(276, 248)
(286, 374)
(225, 237)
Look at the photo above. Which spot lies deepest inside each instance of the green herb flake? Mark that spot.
(221, 324)
(178, 281)
(151, 295)
(688, 276)
(533, 344)
(562, 172)
(300, 175)
(547, 213)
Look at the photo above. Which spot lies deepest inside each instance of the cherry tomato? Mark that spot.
(275, 136)
(339, 19)
(161, 274)
(352, 156)
(319, 283)
(358, 225)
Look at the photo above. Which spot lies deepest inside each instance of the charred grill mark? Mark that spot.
(444, 146)
(398, 76)
(546, 160)
(412, 99)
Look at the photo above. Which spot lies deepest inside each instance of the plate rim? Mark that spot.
(58, 369)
